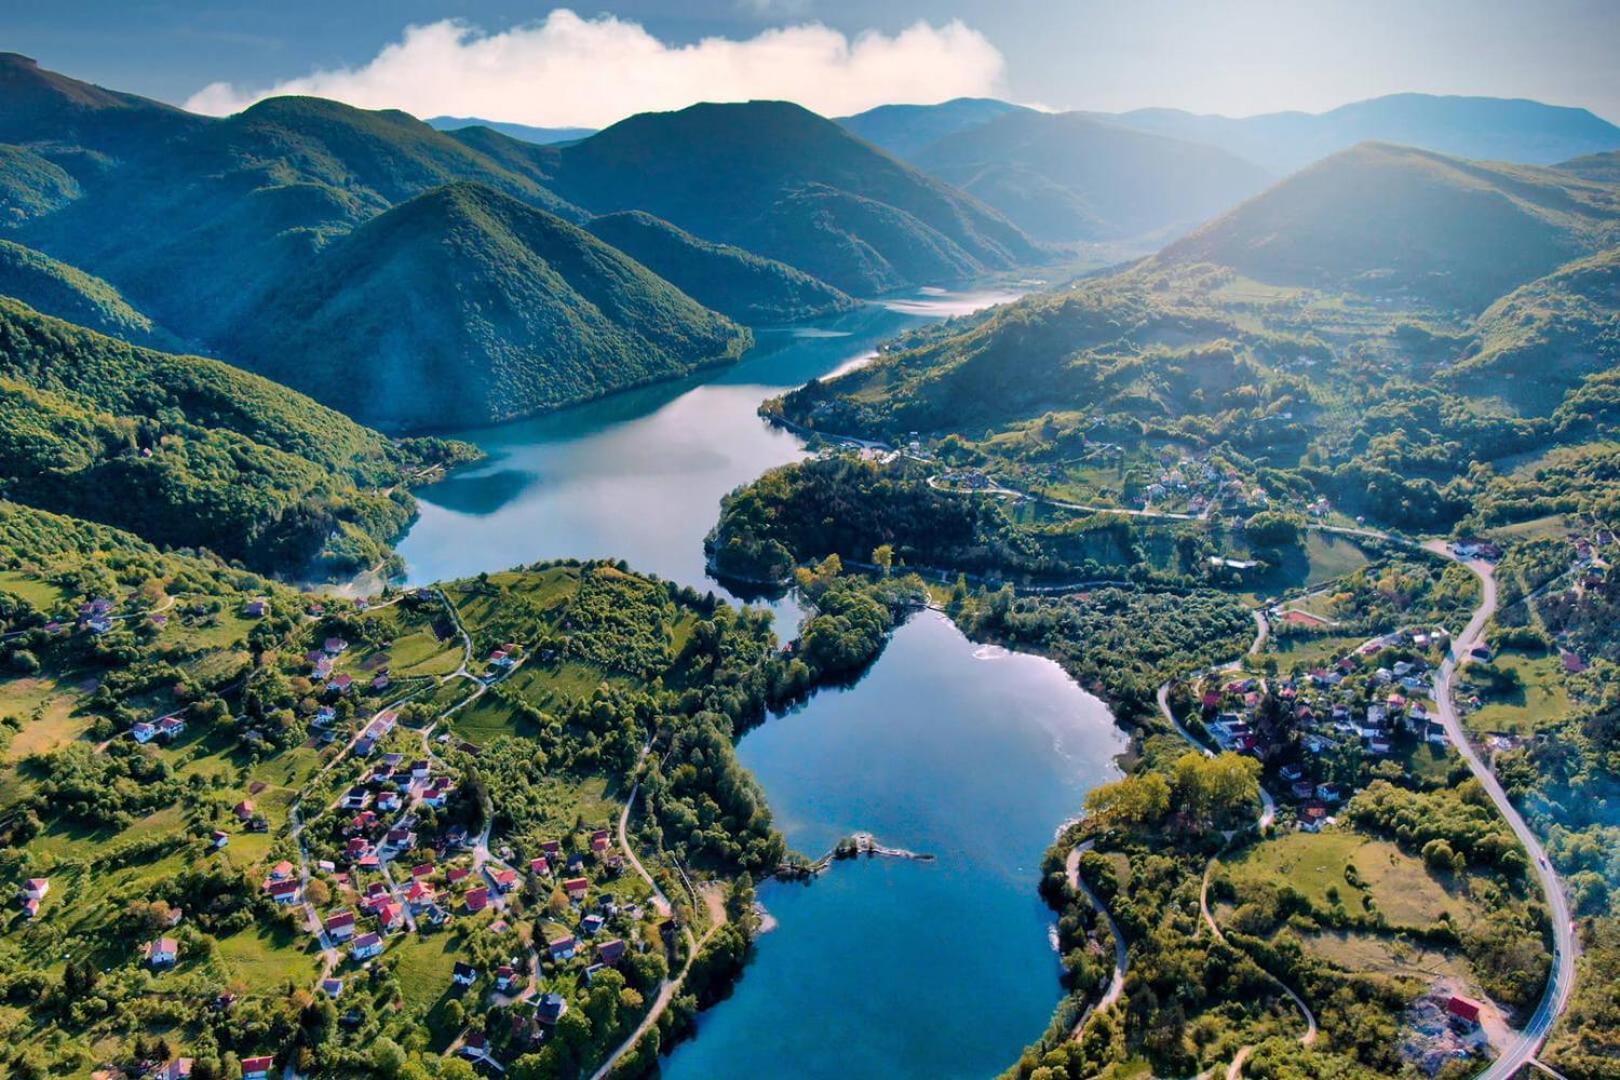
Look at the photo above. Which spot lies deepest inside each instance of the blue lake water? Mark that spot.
(880, 968)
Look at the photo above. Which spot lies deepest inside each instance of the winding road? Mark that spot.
(1122, 959)
(1561, 980)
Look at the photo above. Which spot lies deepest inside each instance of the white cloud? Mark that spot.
(567, 70)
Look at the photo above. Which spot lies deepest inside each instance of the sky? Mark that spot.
(590, 63)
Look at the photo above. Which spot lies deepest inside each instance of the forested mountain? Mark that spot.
(199, 234)
(539, 135)
(743, 286)
(191, 452)
(55, 288)
(1549, 334)
(75, 117)
(781, 181)
(1067, 177)
(903, 130)
(31, 185)
(1482, 128)
(1395, 221)
(465, 306)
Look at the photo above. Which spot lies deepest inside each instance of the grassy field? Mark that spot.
(546, 686)
(265, 959)
(1311, 651)
(1398, 884)
(1539, 699)
(1386, 956)
(41, 594)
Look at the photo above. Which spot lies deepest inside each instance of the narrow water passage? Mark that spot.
(881, 968)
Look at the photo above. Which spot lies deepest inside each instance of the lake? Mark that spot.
(880, 968)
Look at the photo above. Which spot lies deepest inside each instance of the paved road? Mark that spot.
(1122, 960)
(1521, 1051)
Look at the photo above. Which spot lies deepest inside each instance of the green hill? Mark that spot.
(32, 185)
(903, 130)
(47, 107)
(1548, 335)
(1600, 168)
(1068, 177)
(199, 234)
(186, 451)
(776, 179)
(465, 306)
(1403, 223)
(66, 292)
(734, 282)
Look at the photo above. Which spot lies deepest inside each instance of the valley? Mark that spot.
(458, 577)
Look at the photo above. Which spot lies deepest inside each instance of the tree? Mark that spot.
(1133, 802)
(387, 1057)
(883, 556)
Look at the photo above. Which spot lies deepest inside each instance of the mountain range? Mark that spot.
(785, 183)
(1150, 173)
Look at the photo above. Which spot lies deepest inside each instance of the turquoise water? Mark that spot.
(881, 968)
(886, 968)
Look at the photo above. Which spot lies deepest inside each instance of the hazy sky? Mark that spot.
(595, 61)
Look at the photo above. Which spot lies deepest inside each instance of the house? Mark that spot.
(325, 716)
(342, 683)
(610, 952)
(332, 988)
(563, 948)
(552, 849)
(420, 769)
(422, 870)
(505, 976)
(1463, 1012)
(243, 810)
(258, 1068)
(376, 895)
(356, 798)
(335, 645)
(463, 974)
(366, 946)
(388, 800)
(30, 907)
(592, 972)
(576, 888)
(178, 1069)
(340, 925)
(255, 609)
(284, 893)
(477, 900)
(357, 846)
(143, 732)
(390, 915)
(550, 1008)
(1291, 773)
(1573, 664)
(36, 888)
(1301, 789)
(456, 873)
(401, 838)
(221, 838)
(281, 871)
(162, 953)
(1312, 817)
(539, 866)
(475, 1046)
(420, 894)
(171, 727)
(438, 792)
(599, 840)
(504, 880)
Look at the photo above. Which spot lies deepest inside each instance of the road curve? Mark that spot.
(1116, 985)
(1561, 980)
